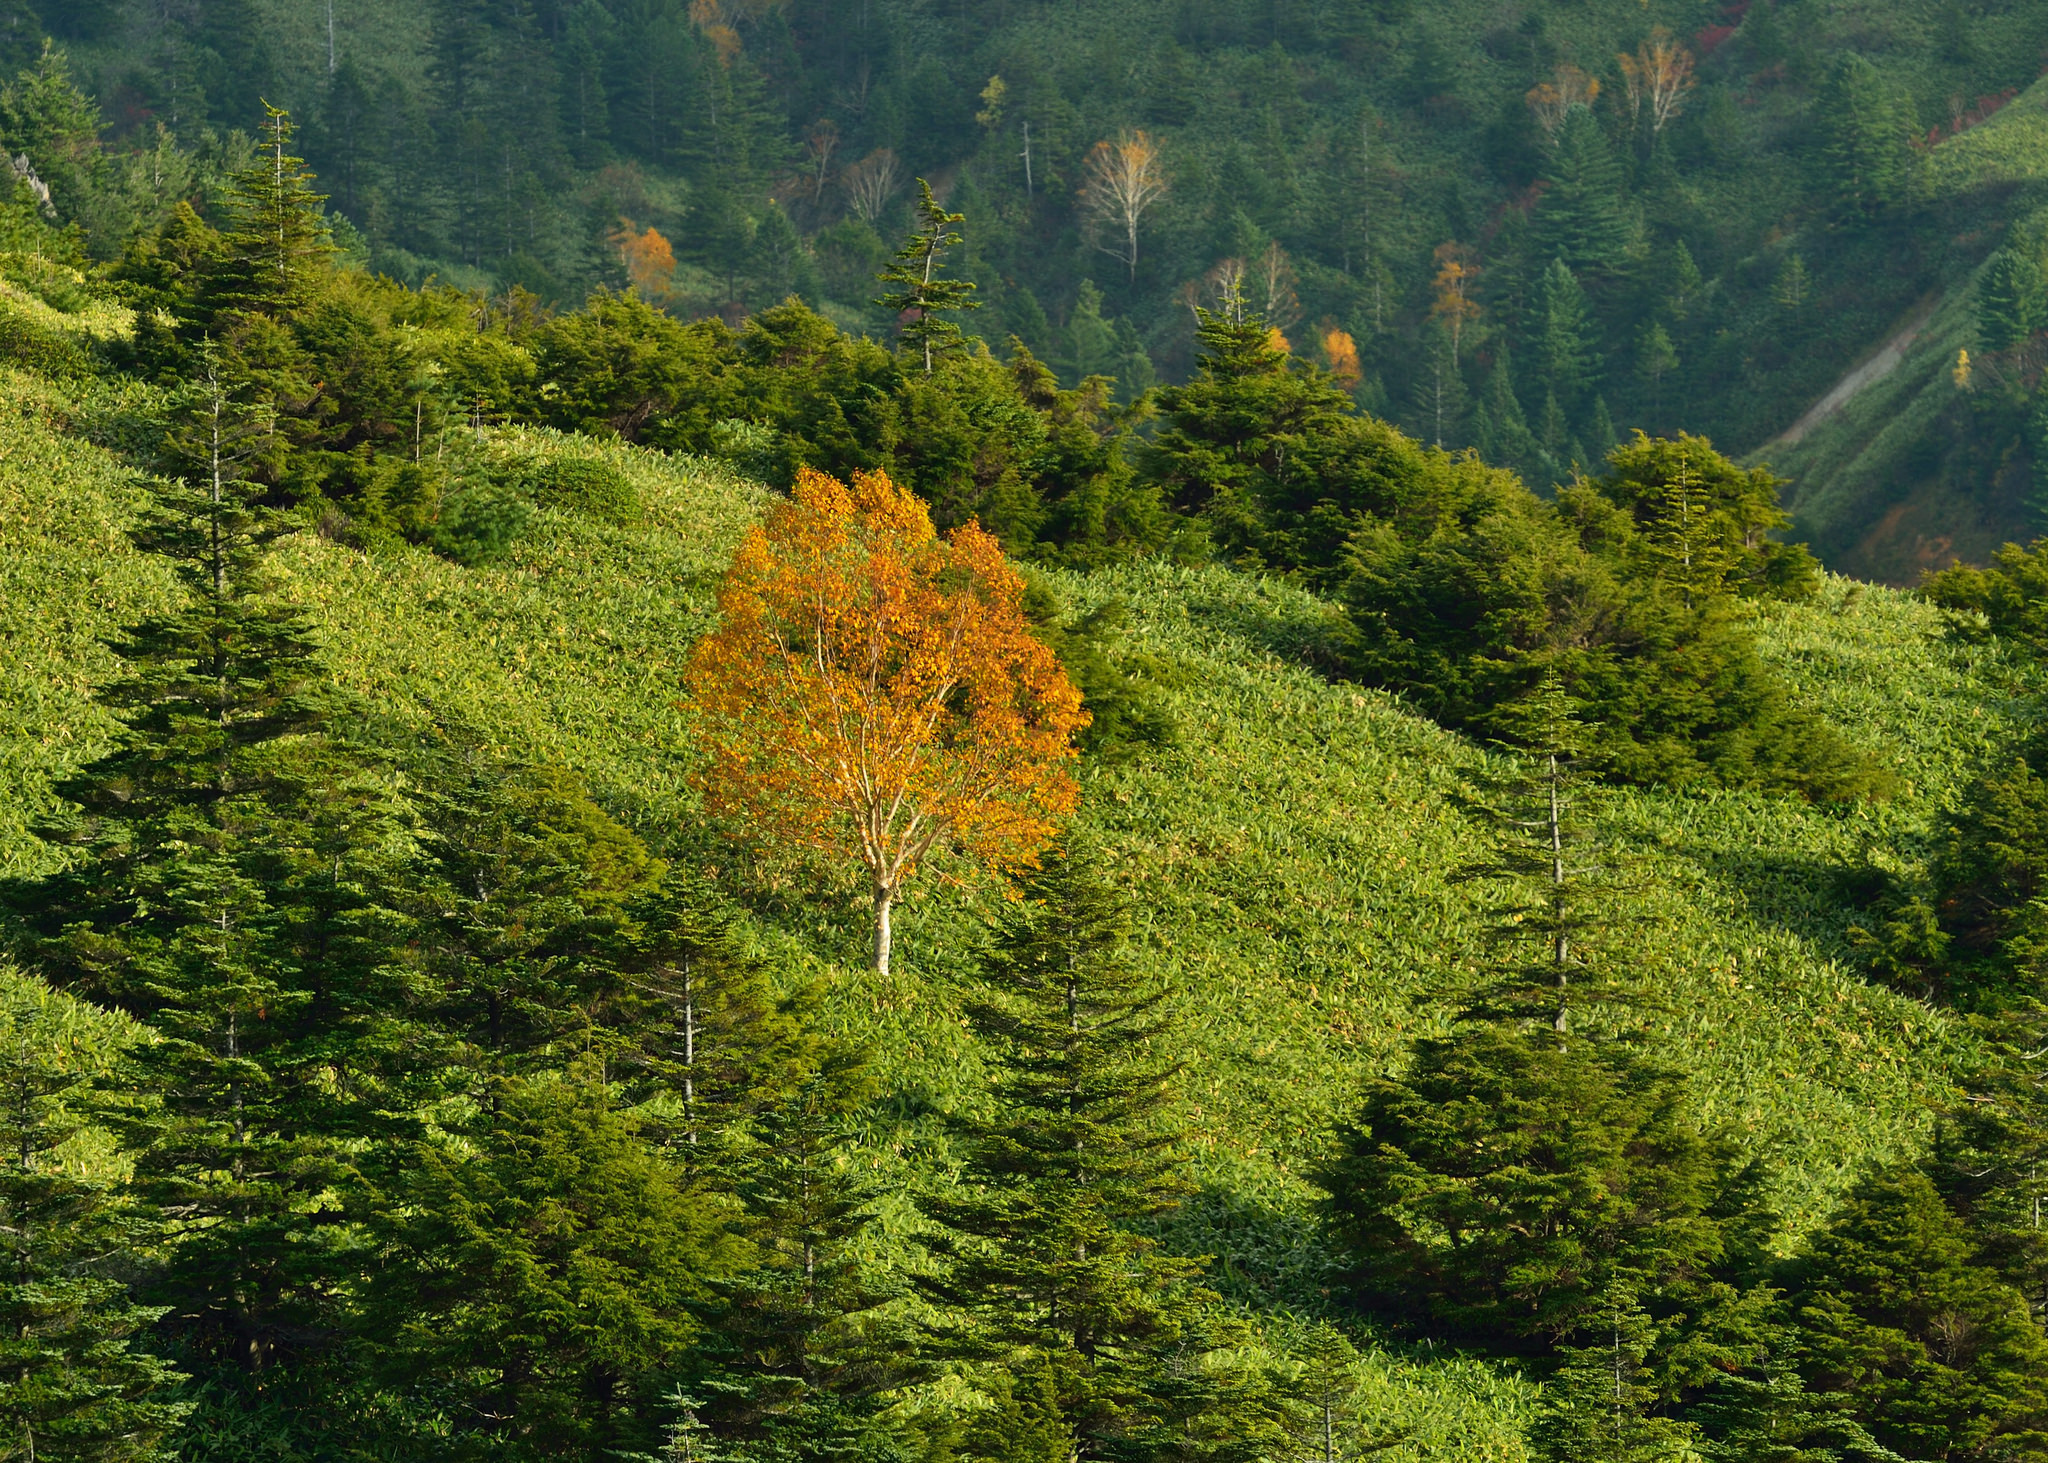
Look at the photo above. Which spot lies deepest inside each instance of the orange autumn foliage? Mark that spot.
(873, 690)
(1341, 351)
(649, 259)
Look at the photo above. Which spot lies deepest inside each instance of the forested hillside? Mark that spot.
(606, 853)
(1745, 200)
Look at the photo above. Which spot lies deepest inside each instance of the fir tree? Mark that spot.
(277, 243)
(1562, 342)
(223, 889)
(1866, 138)
(1076, 1150)
(1941, 1357)
(1562, 900)
(1579, 219)
(1508, 1185)
(2012, 299)
(73, 1382)
(922, 297)
(1597, 1406)
(1504, 435)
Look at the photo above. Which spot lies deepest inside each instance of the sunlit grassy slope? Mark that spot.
(1291, 858)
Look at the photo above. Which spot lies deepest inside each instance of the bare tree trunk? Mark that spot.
(884, 898)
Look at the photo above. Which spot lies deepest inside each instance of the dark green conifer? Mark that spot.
(1580, 218)
(2012, 299)
(923, 298)
(1866, 138)
(223, 888)
(1076, 1150)
(1941, 1358)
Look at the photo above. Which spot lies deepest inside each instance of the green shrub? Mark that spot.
(36, 347)
(478, 525)
(594, 489)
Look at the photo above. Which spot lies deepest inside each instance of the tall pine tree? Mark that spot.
(1075, 1150)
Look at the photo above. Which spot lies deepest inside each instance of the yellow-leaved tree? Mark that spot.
(873, 689)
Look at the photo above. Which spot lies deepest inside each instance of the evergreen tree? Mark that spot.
(1866, 138)
(1580, 218)
(922, 297)
(73, 1383)
(223, 888)
(2012, 299)
(1076, 1149)
(1239, 439)
(1562, 340)
(1561, 903)
(1656, 358)
(1768, 1415)
(1508, 1186)
(518, 909)
(704, 1023)
(550, 1266)
(1597, 1406)
(811, 1351)
(1941, 1357)
(1503, 429)
(277, 245)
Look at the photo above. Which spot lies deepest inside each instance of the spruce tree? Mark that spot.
(222, 888)
(1562, 902)
(2012, 299)
(74, 1383)
(1075, 1150)
(1579, 218)
(922, 296)
(1597, 1406)
(1866, 138)
(1941, 1358)
(277, 243)
(1563, 345)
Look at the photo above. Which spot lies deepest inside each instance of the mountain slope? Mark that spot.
(1294, 856)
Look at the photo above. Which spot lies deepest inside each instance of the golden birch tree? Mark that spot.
(1123, 179)
(873, 690)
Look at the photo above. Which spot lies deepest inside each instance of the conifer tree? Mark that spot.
(922, 295)
(1563, 348)
(1563, 900)
(1866, 137)
(2012, 299)
(73, 1382)
(1504, 435)
(1579, 219)
(709, 1027)
(211, 860)
(277, 243)
(1941, 1358)
(1076, 1150)
(1597, 1405)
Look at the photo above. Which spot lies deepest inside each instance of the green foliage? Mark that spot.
(1507, 1188)
(1077, 1149)
(74, 1382)
(923, 298)
(1580, 221)
(1941, 1358)
(548, 1273)
(2012, 300)
(480, 525)
(1867, 130)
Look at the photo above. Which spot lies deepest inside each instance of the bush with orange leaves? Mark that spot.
(873, 690)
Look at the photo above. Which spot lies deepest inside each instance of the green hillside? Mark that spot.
(1909, 472)
(1293, 854)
